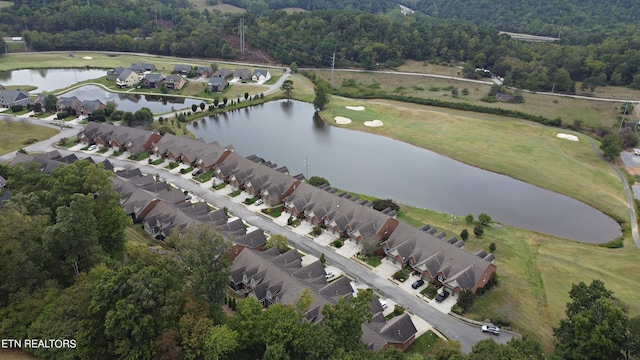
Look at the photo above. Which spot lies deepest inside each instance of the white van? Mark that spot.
(636, 151)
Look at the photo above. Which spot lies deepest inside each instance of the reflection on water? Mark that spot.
(49, 79)
(158, 104)
(386, 168)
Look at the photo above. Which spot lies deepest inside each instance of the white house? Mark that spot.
(261, 76)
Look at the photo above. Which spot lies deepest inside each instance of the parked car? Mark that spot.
(329, 275)
(93, 147)
(383, 304)
(491, 329)
(196, 172)
(417, 283)
(443, 295)
(258, 202)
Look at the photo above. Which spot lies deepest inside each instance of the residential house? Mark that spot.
(253, 240)
(217, 84)
(175, 82)
(123, 138)
(153, 81)
(69, 104)
(142, 68)
(274, 278)
(6, 196)
(398, 332)
(225, 73)
(182, 69)
(113, 74)
(341, 213)
(196, 153)
(204, 71)
(14, 97)
(41, 99)
(258, 178)
(127, 78)
(87, 107)
(243, 75)
(427, 253)
(261, 76)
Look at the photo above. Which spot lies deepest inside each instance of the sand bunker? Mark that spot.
(356, 108)
(373, 123)
(342, 120)
(567, 136)
(87, 57)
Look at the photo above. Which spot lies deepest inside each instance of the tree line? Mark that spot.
(359, 39)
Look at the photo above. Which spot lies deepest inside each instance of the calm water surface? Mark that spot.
(49, 79)
(288, 134)
(133, 102)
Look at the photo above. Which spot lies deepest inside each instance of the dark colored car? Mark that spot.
(443, 295)
(417, 283)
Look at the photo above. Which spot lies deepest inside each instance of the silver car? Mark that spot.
(491, 329)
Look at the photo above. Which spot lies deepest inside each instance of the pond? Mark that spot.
(133, 102)
(287, 133)
(49, 79)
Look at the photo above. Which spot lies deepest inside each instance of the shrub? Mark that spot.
(337, 243)
(317, 230)
(317, 181)
(478, 231)
(464, 234)
(235, 193)
(401, 275)
(383, 204)
(16, 108)
(469, 219)
(484, 219)
(492, 247)
(457, 309)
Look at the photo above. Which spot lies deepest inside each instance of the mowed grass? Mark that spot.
(536, 272)
(5, 4)
(14, 134)
(592, 113)
(520, 149)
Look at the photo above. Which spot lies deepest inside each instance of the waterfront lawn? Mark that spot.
(536, 271)
(520, 149)
(14, 134)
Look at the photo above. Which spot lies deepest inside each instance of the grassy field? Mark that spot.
(5, 4)
(592, 113)
(14, 134)
(536, 272)
(520, 149)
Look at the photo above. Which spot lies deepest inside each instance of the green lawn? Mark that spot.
(14, 134)
(424, 343)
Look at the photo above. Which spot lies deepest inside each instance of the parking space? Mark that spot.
(386, 269)
(348, 249)
(446, 305)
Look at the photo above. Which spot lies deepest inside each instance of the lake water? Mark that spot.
(287, 133)
(49, 79)
(133, 102)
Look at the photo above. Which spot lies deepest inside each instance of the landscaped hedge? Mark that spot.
(401, 275)
(337, 243)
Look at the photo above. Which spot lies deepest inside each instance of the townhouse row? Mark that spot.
(426, 252)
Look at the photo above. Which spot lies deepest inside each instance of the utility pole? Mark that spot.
(624, 113)
(306, 165)
(453, 219)
(333, 66)
(241, 30)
